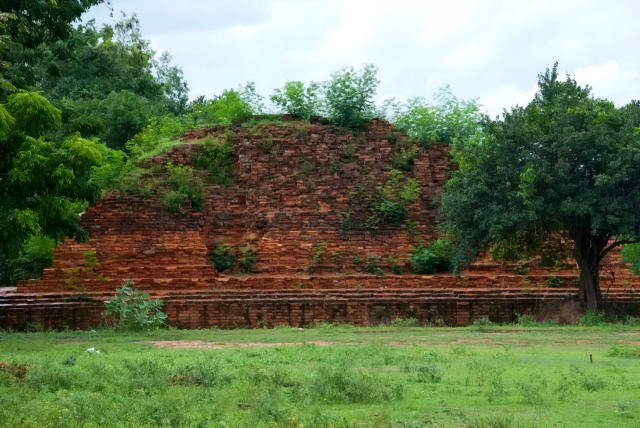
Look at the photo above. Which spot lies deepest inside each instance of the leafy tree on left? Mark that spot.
(44, 185)
(61, 87)
(26, 24)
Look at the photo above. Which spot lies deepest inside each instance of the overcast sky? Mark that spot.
(489, 50)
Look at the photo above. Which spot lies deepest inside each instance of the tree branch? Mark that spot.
(606, 250)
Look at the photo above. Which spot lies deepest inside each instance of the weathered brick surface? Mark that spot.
(291, 184)
(251, 308)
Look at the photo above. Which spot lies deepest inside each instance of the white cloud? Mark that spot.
(491, 50)
(505, 96)
(618, 81)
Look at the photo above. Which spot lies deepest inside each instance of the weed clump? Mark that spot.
(347, 385)
(184, 188)
(216, 157)
(223, 257)
(626, 351)
(434, 258)
(134, 309)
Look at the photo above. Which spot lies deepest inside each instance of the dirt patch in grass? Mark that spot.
(472, 341)
(201, 344)
(631, 342)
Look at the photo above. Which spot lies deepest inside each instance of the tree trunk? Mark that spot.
(587, 253)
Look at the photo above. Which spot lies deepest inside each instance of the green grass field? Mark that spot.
(507, 376)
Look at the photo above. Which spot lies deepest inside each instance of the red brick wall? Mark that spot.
(291, 182)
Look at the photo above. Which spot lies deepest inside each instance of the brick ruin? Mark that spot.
(300, 199)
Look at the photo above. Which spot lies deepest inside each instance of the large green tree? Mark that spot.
(108, 82)
(44, 185)
(565, 167)
(25, 25)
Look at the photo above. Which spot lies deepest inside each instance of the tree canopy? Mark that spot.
(565, 167)
(44, 185)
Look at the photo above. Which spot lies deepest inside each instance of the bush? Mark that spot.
(482, 322)
(350, 96)
(223, 257)
(160, 133)
(492, 421)
(589, 319)
(403, 157)
(217, 158)
(524, 320)
(231, 107)
(347, 385)
(431, 373)
(372, 265)
(36, 255)
(404, 322)
(434, 258)
(185, 187)
(423, 260)
(299, 101)
(248, 257)
(553, 281)
(446, 120)
(134, 309)
(624, 351)
(395, 195)
(631, 256)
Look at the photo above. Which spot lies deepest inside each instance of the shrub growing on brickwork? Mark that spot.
(434, 258)
(446, 120)
(217, 158)
(299, 101)
(248, 257)
(223, 257)
(185, 187)
(350, 96)
(395, 195)
(230, 107)
(134, 310)
(404, 156)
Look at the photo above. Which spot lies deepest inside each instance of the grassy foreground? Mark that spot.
(325, 376)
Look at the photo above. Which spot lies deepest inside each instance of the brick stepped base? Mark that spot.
(231, 308)
(472, 279)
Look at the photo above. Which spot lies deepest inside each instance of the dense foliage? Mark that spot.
(446, 120)
(27, 24)
(299, 101)
(44, 185)
(631, 255)
(62, 87)
(346, 99)
(563, 167)
(434, 258)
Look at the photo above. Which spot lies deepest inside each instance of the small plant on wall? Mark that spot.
(216, 157)
(223, 257)
(184, 187)
(395, 195)
(247, 257)
(372, 206)
(432, 259)
(319, 250)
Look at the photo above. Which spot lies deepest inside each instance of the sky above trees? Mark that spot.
(490, 50)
